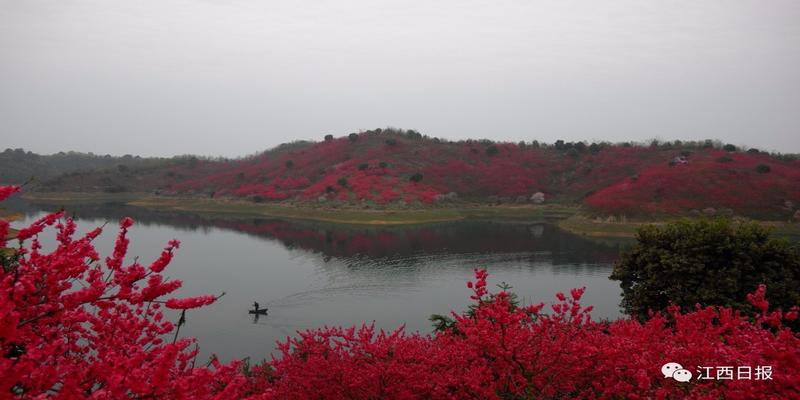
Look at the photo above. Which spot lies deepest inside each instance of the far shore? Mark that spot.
(323, 212)
(567, 217)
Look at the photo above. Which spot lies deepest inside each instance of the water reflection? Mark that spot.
(359, 246)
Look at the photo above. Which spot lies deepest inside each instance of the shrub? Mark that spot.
(328, 138)
(289, 163)
(391, 142)
(413, 134)
(342, 182)
(763, 168)
(492, 150)
(729, 148)
(383, 165)
(724, 159)
(707, 262)
(363, 166)
(416, 177)
(353, 137)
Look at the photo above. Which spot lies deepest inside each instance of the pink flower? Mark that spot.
(190, 302)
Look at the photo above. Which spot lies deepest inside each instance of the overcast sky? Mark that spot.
(232, 77)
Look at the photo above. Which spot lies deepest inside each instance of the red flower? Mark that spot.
(190, 302)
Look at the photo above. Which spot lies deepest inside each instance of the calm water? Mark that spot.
(311, 274)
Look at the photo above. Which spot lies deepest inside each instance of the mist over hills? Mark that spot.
(386, 168)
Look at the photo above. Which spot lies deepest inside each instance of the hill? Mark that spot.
(390, 167)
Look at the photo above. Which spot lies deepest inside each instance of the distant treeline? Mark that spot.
(18, 165)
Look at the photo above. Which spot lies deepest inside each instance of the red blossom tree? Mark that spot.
(73, 325)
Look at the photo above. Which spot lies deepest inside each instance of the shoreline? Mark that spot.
(341, 215)
(566, 217)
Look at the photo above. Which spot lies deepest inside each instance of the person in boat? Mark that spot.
(257, 309)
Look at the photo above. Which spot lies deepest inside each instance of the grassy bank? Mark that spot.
(582, 225)
(356, 216)
(346, 215)
(67, 198)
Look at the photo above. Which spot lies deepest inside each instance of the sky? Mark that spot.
(235, 77)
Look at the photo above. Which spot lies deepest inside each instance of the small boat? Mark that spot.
(258, 310)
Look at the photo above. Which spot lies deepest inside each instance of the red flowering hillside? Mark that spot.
(73, 326)
(384, 167)
(751, 184)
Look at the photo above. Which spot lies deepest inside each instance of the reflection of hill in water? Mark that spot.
(353, 243)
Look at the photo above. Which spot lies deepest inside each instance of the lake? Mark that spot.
(314, 274)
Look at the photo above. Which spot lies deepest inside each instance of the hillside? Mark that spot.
(385, 168)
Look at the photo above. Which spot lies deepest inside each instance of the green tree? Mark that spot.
(707, 262)
(573, 153)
